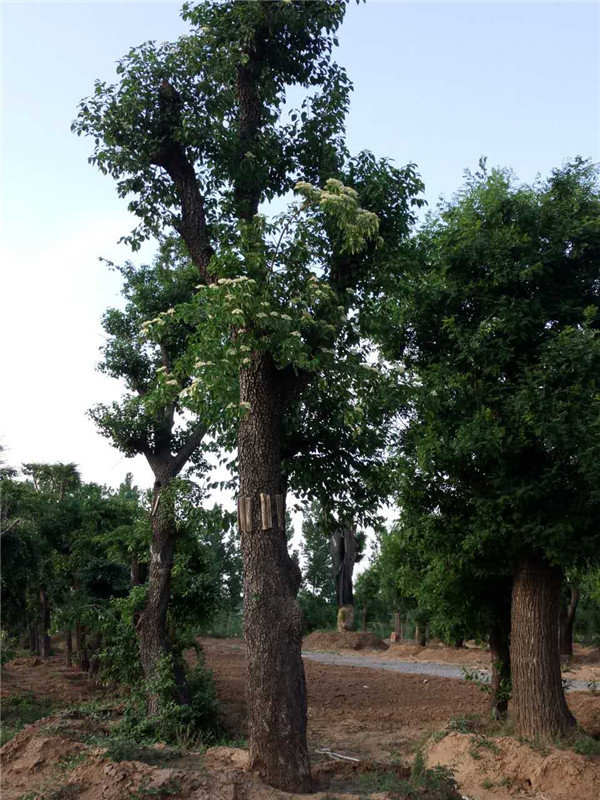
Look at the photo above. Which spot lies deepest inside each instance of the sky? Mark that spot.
(437, 84)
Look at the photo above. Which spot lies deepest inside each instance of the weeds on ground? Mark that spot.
(20, 710)
(126, 750)
(435, 783)
(468, 723)
(480, 741)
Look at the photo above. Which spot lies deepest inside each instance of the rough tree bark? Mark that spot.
(500, 664)
(45, 623)
(273, 623)
(343, 553)
(538, 701)
(566, 623)
(155, 642)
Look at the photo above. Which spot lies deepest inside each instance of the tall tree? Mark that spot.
(497, 323)
(196, 131)
(148, 420)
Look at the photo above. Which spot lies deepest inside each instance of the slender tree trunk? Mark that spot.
(364, 617)
(273, 623)
(398, 625)
(45, 623)
(69, 648)
(34, 645)
(421, 634)
(500, 663)
(566, 623)
(155, 642)
(539, 706)
(135, 572)
(80, 647)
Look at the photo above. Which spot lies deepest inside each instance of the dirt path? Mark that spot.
(430, 668)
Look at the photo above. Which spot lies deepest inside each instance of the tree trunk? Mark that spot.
(34, 645)
(500, 663)
(155, 642)
(539, 706)
(364, 617)
(45, 623)
(345, 618)
(135, 577)
(421, 634)
(273, 623)
(80, 647)
(566, 623)
(69, 648)
(398, 625)
(343, 554)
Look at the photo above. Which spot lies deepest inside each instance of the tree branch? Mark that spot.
(186, 450)
(172, 158)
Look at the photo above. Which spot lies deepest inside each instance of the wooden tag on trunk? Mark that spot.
(280, 510)
(244, 513)
(265, 511)
(248, 514)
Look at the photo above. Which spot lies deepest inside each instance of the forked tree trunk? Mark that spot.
(566, 624)
(45, 623)
(273, 623)
(539, 706)
(69, 648)
(500, 664)
(155, 642)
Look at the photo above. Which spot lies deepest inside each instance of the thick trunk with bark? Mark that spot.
(566, 624)
(45, 623)
(155, 642)
(69, 648)
(273, 623)
(500, 663)
(538, 701)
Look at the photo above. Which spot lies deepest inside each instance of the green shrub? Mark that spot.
(191, 725)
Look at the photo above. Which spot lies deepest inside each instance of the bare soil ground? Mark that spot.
(382, 718)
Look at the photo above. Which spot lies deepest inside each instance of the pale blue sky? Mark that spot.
(439, 84)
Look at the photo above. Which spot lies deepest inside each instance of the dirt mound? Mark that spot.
(586, 708)
(482, 766)
(30, 755)
(343, 640)
(468, 656)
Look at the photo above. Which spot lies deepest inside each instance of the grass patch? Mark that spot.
(467, 723)
(20, 710)
(128, 750)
